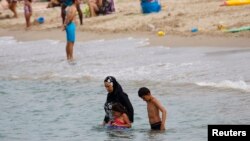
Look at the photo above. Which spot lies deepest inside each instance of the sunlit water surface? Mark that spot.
(43, 97)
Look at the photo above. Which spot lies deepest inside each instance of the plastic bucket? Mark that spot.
(149, 7)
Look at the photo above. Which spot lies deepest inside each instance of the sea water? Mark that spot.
(43, 97)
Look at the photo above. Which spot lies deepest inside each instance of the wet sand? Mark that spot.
(154, 39)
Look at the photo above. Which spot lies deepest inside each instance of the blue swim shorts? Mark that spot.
(70, 31)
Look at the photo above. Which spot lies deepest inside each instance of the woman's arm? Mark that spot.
(106, 120)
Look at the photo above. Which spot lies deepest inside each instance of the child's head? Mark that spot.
(144, 93)
(118, 109)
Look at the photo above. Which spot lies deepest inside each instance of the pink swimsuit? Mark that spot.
(118, 122)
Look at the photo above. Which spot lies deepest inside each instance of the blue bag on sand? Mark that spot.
(40, 20)
(149, 6)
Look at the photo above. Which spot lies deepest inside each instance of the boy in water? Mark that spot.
(154, 108)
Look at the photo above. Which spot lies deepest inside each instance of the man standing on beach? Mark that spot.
(70, 27)
(64, 4)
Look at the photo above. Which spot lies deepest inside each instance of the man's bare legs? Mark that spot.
(27, 19)
(69, 51)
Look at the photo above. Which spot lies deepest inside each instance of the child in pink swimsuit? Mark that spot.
(120, 117)
(27, 12)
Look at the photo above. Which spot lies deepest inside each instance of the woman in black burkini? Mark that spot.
(116, 95)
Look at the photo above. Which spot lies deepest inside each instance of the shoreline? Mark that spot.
(196, 40)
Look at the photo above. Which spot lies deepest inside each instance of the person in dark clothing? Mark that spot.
(116, 95)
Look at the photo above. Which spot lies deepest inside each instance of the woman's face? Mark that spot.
(109, 87)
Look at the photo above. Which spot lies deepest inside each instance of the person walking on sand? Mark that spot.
(65, 4)
(27, 12)
(154, 108)
(70, 27)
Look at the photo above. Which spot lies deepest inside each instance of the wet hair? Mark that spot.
(117, 107)
(143, 91)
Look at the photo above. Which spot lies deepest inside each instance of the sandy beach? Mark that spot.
(176, 19)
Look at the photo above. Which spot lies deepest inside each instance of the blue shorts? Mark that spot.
(67, 2)
(70, 31)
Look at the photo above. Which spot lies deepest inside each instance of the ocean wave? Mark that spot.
(50, 76)
(7, 40)
(239, 85)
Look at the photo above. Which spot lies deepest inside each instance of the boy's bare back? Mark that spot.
(153, 111)
(154, 108)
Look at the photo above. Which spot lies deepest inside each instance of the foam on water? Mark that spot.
(126, 58)
(241, 85)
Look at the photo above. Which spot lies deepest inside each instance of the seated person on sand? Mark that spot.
(12, 7)
(102, 7)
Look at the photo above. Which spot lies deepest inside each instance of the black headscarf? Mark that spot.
(117, 96)
(117, 89)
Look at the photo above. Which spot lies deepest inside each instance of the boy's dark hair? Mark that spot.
(143, 91)
(118, 108)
